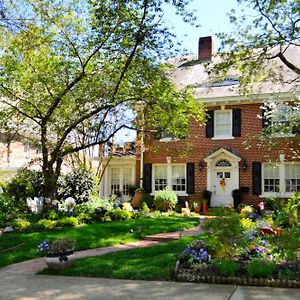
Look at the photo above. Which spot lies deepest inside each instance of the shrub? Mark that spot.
(68, 221)
(7, 204)
(118, 214)
(260, 268)
(165, 200)
(85, 218)
(21, 224)
(26, 183)
(246, 211)
(78, 184)
(226, 267)
(148, 199)
(145, 207)
(46, 224)
(127, 206)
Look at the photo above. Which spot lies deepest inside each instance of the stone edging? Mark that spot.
(184, 277)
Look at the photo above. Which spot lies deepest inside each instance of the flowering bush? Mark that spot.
(195, 253)
(56, 247)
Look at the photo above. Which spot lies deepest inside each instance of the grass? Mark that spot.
(152, 263)
(87, 237)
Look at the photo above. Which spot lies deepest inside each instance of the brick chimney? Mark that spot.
(205, 49)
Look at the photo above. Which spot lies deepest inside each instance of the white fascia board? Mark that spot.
(246, 99)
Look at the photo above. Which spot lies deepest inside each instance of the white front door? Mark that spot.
(223, 185)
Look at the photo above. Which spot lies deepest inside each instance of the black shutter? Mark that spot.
(236, 122)
(190, 172)
(256, 178)
(147, 179)
(209, 130)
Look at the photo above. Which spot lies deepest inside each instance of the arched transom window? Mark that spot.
(223, 163)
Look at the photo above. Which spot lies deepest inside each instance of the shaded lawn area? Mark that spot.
(152, 263)
(87, 236)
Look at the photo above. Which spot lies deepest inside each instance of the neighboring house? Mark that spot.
(16, 152)
(214, 157)
(119, 171)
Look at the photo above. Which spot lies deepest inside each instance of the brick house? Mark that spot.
(214, 157)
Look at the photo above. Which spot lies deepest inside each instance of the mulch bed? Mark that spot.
(210, 275)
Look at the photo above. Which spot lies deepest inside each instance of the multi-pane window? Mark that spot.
(223, 123)
(126, 180)
(271, 178)
(115, 181)
(160, 177)
(178, 178)
(292, 178)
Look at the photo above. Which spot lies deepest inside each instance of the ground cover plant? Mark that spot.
(20, 246)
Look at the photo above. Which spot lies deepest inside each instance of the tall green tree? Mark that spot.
(264, 31)
(91, 68)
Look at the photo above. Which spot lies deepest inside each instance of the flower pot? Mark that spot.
(60, 261)
(137, 199)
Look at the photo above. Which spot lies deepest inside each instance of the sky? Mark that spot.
(211, 14)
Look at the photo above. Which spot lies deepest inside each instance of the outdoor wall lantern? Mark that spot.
(244, 165)
(201, 165)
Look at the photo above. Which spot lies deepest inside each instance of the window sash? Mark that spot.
(178, 178)
(160, 177)
(223, 123)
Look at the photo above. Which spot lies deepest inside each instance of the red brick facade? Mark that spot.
(197, 147)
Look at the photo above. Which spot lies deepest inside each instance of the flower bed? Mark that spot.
(208, 274)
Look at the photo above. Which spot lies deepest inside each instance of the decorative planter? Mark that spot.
(60, 261)
(137, 199)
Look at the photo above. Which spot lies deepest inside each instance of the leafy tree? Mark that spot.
(266, 33)
(87, 68)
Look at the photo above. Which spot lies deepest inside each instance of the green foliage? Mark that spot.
(148, 199)
(145, 207)
(248, 224)
(7, 204)
(226, 231)
(80, 66)
(127, 206)
(118, 214)
(226, 267)
(68, 221)
(246, 210)
(46, 224)
(77, 184)
(26, 183)
(165, 200)
(258, 268)
(21, 224)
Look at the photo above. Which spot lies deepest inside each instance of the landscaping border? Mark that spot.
(182, 276)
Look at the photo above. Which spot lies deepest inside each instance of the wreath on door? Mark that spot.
(222, 184)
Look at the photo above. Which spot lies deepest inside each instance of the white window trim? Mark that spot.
(169, 178)
(282, 193)
(222, 137)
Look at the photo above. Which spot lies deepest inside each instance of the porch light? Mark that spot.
(244, 165)
(201, 165)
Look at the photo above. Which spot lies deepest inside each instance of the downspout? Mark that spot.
(142, 154)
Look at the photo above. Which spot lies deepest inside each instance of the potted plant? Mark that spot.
(59, 253)
(197, 206)
(137, 198)
(205, 205)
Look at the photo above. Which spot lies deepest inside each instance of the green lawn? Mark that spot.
(88, 236)
(152, 263)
